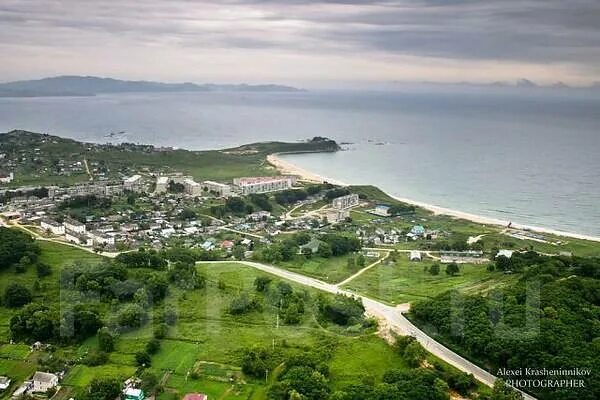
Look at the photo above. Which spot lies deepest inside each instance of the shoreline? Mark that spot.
(286, 167)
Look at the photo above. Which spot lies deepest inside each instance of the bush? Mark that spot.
(106, 340)
(142, 359)
(261, 283)
(16, 295)
(95, 358)
(342, 310)
(160, 331)
(153, 346)
(132, 316)
(43, 269)
(243, 304)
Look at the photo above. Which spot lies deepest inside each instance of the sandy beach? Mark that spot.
(285, 167)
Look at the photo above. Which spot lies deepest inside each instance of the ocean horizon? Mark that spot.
(530, 158)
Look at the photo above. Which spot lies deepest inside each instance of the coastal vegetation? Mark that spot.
(113, 319)
(548, 318)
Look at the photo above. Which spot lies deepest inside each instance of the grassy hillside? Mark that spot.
(38, 159)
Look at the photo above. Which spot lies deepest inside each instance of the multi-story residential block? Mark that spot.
(342, 202)
(264, 184)
(221, 189)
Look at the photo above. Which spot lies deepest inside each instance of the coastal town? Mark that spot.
(353, 240)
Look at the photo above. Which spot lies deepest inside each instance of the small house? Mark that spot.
(415, 255)
(42, 381)
(131, 393)
(418, 230)
(4, 382)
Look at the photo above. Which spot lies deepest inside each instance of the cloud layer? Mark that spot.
(303, 41)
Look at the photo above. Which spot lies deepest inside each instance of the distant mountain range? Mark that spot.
(91, 85)
(519, 84)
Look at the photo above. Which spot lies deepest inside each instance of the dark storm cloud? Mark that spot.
(544, 31)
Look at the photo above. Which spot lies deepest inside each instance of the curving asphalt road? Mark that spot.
(392, 315)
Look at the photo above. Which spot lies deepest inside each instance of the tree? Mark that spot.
(43, 269)
(238, 252)
(103, 389)
(434, 269)
(16, 295)
(324, 250)
(503, 263)
(261, 283)
(160, 331)
(153, 346)
(502, 391)
(414, 353)
(360, 260)
(452, 269)
(143, 359)
(106, 340)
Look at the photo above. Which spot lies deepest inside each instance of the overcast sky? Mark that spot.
(303, 42)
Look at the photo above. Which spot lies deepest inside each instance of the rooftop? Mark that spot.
(45, 377)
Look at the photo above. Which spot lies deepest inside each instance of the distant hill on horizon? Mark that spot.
(90, 85)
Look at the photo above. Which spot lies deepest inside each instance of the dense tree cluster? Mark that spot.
(548, 319)
(342, 310)
(336, 192)
(142, 259)
(14, 245)
(39, 322)
(341, 244)
(244, 303)
(261, 201)
(16, 295)
(185, 276)
(290, 196)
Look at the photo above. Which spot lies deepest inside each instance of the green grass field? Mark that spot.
(332, 269)
(405, 281)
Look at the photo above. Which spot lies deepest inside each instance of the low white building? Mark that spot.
(100, 238)
(221, 189)
(52, 226)
(73, 237)
(4, 382)
(7, 178)
(347, 201)
(42, 381)
(415, 255)
(133, 183)
(74, 226)
(505, 253)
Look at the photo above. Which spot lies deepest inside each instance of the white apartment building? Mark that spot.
(337, 215)
(133, 183)
(52, 226)
(264, 184)
(100, 238)
(77, 238)
(192, 187)
(74, 226)
(220, 189)
(162, 184)
(342, 202)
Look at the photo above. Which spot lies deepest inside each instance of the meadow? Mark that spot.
(405, 281)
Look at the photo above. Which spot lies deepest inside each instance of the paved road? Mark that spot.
(392, 315)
